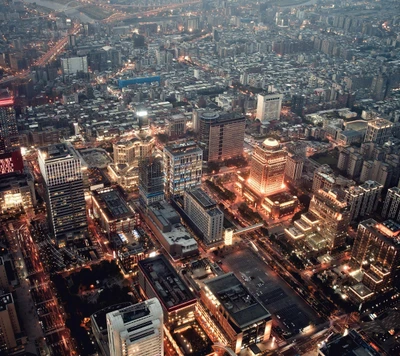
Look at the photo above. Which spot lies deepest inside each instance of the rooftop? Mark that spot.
(58, 150)
(202, 198)
(166, 283)
(112, 203)
(100, 316)
(242, 307)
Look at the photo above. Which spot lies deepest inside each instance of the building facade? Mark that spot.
(221, 135)
(136, 330)
(269, 106)
(183, 167)
(391, 206)
(61, 169)
(8, 125)
(132, 151)
(378, 131)
(205, 214)
(151, 180)
(294, 168)
(267, 168)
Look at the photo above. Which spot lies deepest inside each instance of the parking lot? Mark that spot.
(291, 312)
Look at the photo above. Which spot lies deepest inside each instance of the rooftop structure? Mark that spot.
(237, 311)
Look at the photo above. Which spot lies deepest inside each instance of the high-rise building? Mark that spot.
(137, 330)
(267, 167)
(74, 65)
(151, 180)
(221, 135)
(9, 324)
(378, 131)
(183, 167)
(205, 214)
(324, 178)
(8, 124)
(61, 169)
(333, 216)
(363, 199)
(11, 162)
(376, 250)
(269, 106)
(294, 168)
(391, 206)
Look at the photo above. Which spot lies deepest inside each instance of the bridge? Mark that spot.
(243, 230)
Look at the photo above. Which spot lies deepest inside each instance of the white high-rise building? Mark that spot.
(137, 330)
(183, 167)
(269, 106)
(74, 65)
(205, 214)
(61, 169)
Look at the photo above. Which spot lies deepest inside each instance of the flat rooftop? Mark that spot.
(100, 316)
(242, 307)
(112, 203)
(202, 198)
(57, 151)
(349, 345)
(166, 283)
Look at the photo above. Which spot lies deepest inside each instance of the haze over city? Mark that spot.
(199, 177)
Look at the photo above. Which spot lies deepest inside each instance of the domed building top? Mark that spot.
(270, 143)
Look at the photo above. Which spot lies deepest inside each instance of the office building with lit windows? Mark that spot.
(136, 330)
(183, 167)
(130, 152)
(151, 180)
(10, 329)
(204, 213)
(8, 124)
(376, 251)
(267, 168)
(221, 135)
(241, 318)
(61, 169)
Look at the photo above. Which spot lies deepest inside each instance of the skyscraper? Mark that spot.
(267, 167)
(137, 330)
(183, 164)
(376, 250)
(378, 131)
(333, 216)
(363, 199)
(9, 325)
(151, 180)
(221, 135)
(62, 173)
(8, 124)
(269, 106)
(205, 214)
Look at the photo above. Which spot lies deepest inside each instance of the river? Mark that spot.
(60, 7)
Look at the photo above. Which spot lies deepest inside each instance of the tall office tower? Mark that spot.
(221, 135)
(269, 106)
(391, 206)
(205, 214)
(151, 180)
(376, 251)
(66, 209)
(9, 325)
(294, 168)
(183, 167)
(363, 199)
(267, 167)
(323, 178)
(137, 330)
(378, 131)
(132, 151)
(298, 103)
(8, 124)
(333, 214)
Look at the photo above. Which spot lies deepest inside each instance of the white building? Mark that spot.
(269, 106)
(74, 65)
(183, 167)
(205, 214)
(137, 330)
(391, 206)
